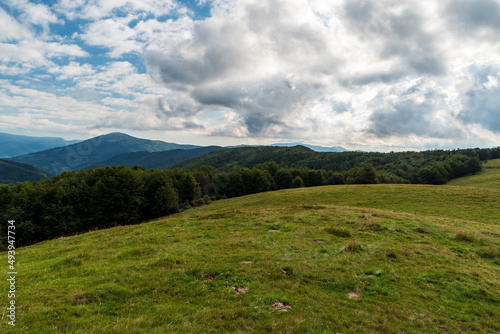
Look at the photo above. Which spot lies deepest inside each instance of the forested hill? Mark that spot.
(158, 160)
(436, 166)
(251, 156)
(13, 172)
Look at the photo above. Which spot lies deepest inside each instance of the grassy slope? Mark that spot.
(488, 178)
(427, 260)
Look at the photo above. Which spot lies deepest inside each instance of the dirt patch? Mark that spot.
(277, 305)
(319, 241)
(354, 295)
(285, 271)
(240, 289)
(273, 230)
(246, 262)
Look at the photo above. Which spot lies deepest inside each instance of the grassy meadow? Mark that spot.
(332, 259)
(488, 178)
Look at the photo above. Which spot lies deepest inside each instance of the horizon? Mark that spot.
(289, 144)
(362, 75)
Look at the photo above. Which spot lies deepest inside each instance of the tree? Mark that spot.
(283, 178)
(365, 174)
(297, 182)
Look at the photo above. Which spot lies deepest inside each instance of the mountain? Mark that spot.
(313, 147)
(16, 145)
(158, 160)
(91, 151)
(12, 172)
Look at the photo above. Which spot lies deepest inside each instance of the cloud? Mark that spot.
(354, 72)
(114, 34)
(481, 98)
(11, 29)
(469, 16)
(98, 9)
(72, 70)
(260, 58)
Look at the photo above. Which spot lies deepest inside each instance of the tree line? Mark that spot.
(75, 202)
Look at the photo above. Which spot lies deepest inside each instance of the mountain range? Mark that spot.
(92, 151)
(16, 145)
(58, 155)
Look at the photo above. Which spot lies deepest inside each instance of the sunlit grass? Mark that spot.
(348, 259)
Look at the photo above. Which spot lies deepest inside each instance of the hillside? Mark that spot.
(249, 156)
(12, 172)
(426, 167)
(16, 145)
(91, 151)
(158, 160)
(333, 259)
(488, 178)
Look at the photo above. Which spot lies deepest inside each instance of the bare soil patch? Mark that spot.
(354, 295)
(277, 305)
(240, 289)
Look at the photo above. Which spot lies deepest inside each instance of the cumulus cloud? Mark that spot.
(281, 66)
(481, 97)
(360, 73)
(114, 34)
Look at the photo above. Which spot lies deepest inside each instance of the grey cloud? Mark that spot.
(481, 104)
(409, 115)
(258, 123)
(223, 95)
(469, 15)
(365, 79)
(192, 125)
(401, 36)
(359, 10)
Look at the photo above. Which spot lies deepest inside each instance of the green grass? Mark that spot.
(488, 178)
(346, 259)
(493, 163)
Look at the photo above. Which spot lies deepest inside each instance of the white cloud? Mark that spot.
(98, 9)
(372, 73)
(72, 70)
(323, 70)
(114, 34)
(11, 29)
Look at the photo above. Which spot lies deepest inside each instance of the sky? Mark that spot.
(374, 75)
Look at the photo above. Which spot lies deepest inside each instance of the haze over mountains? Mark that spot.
(15, 145)
(107, 150)
(92, 151)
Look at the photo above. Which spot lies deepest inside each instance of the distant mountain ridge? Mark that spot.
(91, 151)
(313, 147)
(13, 172)
(157, 160)
(16, 145)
